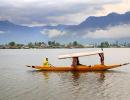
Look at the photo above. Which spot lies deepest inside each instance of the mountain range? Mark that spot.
(24, 34)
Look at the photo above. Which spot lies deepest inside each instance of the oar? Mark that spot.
(125, 64)
(30, 66)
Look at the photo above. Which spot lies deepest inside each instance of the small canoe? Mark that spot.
(78, 68)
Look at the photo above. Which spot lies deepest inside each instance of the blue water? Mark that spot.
(18, 82)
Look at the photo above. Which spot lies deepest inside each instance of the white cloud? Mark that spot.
(120, 7)
(58, 11)
(53, 33)
(2, 32)
(115, 32)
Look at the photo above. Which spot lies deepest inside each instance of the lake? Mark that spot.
(18, 82)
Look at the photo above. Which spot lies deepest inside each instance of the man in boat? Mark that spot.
(75, 62)
(101, 58)
(46, 63)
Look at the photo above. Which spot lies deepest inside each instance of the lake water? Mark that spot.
(18, 82)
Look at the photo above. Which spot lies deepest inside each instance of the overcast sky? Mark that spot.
(51, 12)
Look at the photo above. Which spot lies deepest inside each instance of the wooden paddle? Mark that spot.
(30, 66)
(125, 64)
(34, 66)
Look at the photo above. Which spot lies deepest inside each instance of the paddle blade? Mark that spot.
(28, 66)
(125, 64)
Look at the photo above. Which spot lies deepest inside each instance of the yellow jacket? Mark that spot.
(45, 63)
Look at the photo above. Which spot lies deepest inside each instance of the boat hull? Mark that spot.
(78, 68)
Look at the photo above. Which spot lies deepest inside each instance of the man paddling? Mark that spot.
(46, 63)
(75, 62)
(101, 58)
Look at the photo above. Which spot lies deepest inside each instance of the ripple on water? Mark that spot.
(20, 83)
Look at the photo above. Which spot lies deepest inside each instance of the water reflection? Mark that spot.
(46, 75)
(101, 75)
(75, 75)
(18, 82)
(78, 77)
(76, 85)
(75, 78)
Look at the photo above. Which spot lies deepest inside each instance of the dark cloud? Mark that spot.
(45, 12)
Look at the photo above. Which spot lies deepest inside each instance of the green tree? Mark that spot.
(57, 44)
(49, 43)
(53, 43)
(75, 43)
(104, 44)
(12, 43)
(30, 45)
(117, 44)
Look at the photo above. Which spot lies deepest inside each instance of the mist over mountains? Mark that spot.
(111, 27)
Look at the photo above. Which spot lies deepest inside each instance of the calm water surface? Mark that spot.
(17, 82)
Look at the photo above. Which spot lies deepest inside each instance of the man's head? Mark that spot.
(47, 59)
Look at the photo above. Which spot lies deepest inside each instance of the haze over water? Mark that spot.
(17, 82)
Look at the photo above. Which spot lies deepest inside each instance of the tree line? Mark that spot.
(49, 44)
(54, 44)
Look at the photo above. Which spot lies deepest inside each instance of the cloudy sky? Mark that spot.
(53, 12)
(115, 32)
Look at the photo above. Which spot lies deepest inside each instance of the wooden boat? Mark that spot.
(98, 67)
(78, 68)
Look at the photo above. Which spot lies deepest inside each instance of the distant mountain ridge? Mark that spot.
(22, 33)
(111, 19)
